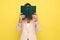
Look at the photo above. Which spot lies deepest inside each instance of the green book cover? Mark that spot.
(28, 11)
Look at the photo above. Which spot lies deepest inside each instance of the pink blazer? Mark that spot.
(28, 32)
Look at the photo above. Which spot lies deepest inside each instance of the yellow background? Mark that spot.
(48, 12)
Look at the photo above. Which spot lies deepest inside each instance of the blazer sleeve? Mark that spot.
(19, 26)
(37, 26)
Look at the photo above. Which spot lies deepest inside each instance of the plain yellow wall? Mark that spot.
(48, 12)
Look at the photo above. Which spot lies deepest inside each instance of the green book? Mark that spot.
(28, 11)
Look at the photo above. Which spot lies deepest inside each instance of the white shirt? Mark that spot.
(28, 24)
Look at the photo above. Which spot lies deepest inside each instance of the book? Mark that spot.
(28, 11)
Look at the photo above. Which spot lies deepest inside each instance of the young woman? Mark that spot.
(29, 27)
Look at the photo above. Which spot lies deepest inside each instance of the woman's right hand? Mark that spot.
(21, 17)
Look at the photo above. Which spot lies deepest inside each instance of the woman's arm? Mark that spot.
(37, 25)
(19, 25)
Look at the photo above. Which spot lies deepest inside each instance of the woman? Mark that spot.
(29, 27)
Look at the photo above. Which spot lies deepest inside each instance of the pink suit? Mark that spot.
(28, 32)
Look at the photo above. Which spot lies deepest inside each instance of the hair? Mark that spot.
(27, 4)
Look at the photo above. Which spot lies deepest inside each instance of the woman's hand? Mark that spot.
(34, 17)
(21, 17)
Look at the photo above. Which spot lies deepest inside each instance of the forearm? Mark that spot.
(37, 25)
(18, 27)
(20, 20)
